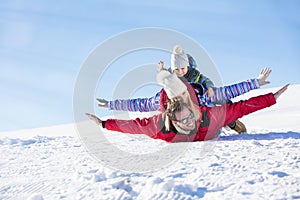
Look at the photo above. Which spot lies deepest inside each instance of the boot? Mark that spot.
(238, 126)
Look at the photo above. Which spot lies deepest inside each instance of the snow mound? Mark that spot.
(53, 163)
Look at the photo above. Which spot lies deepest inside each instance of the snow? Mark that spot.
(54, 163)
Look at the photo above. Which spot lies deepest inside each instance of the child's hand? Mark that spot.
(160, 66)
(102, 103)
(262, 77)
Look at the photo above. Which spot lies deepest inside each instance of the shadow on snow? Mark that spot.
(262, 136)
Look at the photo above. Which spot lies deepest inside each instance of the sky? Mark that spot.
(43, 45)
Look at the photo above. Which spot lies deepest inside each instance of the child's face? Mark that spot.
(180, 72)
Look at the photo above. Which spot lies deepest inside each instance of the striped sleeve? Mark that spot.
(223, 94)
(135, 105)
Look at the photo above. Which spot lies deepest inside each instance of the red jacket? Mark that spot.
(211, 120)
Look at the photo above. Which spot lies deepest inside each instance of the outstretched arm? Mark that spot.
(147, 126)
(132, 105)
(223, 94)
(228, 113)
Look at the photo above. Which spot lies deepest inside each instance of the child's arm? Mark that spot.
(132, 105)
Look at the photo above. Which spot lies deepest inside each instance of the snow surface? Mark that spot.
(54, 163)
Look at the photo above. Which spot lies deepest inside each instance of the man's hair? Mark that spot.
(175, 105)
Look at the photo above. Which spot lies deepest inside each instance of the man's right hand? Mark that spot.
(280, 91)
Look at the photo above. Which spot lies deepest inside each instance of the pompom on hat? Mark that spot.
(178, 58)
(171, 83)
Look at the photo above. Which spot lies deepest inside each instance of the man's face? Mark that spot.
(185, 119)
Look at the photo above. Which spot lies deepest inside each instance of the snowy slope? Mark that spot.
(53, 163)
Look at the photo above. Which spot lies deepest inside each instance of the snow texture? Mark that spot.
(53, 163)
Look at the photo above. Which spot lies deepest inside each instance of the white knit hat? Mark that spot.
(178, 58)
(171, 83)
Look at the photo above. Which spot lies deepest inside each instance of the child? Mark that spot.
(184, 66)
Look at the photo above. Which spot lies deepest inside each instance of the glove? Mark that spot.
(264, 74)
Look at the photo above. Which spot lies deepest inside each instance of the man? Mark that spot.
(187, 123)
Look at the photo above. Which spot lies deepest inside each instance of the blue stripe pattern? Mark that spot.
(222, 95)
